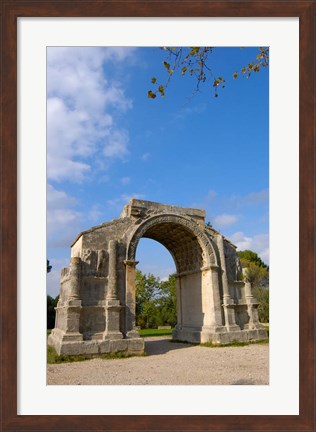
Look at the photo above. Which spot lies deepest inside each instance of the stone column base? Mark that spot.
(63, 336)
(254, 326)
(96, 347)
(112, 335)
(112, 315)
(218, 335)
(133, 334)
(196, 335)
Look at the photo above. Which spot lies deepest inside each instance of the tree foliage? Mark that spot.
(261, 294)
(49, 267)
(155, 301)
(247, 256)
(256, 271)
(51, 313)
(147, 287)
(196, 62)
(258, 274)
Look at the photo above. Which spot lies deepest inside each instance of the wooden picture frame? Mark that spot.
(11, 11)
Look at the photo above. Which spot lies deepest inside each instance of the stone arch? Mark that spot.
(199, 310)
(96, 310)
(174, 232)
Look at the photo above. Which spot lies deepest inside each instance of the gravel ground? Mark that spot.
(171, 363)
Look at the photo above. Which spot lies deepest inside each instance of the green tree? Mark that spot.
(250, 256)
(262, 295)
(147, 287)
(197, 62)
(167, 302)
(155, 301)
(51, 313)
(258, 274)
(49, 267)
(257, 270)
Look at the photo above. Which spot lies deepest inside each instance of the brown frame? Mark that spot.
(11, 10)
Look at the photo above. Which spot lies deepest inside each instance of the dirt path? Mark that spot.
(171, 363)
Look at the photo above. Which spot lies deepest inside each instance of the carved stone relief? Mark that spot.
(94, 262)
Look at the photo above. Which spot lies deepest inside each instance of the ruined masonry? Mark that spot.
(96, 310)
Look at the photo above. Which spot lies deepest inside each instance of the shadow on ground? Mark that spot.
(244, 382)
(162, 346)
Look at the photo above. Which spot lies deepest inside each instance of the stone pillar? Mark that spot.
(179, 304)
(131, 331)
(176, 332)
(252, 308)
(112, 278)
(73, 307)
(216, 313)
(228, 303)
(75, 279)
(248, 290)
(112, 303)
(226, 295)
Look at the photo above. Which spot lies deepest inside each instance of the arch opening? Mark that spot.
(195, 294)
(155, 286)
(153, 257)
(180, 242)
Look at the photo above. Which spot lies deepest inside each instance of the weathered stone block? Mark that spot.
(118, 345)
(71, 348)
(136, 345)
(105, 347)
(90, 347)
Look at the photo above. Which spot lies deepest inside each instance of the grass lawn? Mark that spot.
(54, 358)
(236, 344)
(155, 332)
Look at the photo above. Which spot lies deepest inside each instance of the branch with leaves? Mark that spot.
(195, 62)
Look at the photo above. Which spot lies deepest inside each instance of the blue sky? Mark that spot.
(107, 142)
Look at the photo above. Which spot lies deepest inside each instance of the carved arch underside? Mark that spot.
(184, 239)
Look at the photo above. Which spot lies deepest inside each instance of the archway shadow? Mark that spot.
(159, 346)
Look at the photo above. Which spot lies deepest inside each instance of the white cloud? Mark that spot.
(82, 107)
(253, 198)
(125, 180)
(258, 243)
(103, 179)
(205, 203)
(145, 157)
(76, 74)
(233, 202)
(211, 195)
(63, 222)
(53, 278)
(257, 197)
(124, 199)
(95, 213)
(116, 145)
(224, 220)
(187, 110)
(57, 198)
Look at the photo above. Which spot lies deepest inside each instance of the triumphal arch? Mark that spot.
(96, 310)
